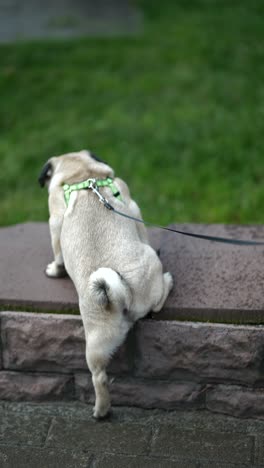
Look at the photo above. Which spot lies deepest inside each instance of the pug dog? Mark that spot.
(117, 275)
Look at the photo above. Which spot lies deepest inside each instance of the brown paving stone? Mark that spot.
(215, 446)
(33, 457)
(212, 281)
(119, 461)
(259, 448)
(23, 429)
(209, 464)
(189, 440)
(99, 436)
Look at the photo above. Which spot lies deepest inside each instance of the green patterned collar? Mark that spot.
(89, 183)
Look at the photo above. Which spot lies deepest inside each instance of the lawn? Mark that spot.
(178, 112)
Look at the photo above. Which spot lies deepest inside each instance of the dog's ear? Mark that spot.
(96, 158)
(97, 165)
(45, 174)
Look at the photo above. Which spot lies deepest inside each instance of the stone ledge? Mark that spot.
(236, 401)
(162, 364)
(213, 282)
(146, 393)
(50, 343)
(24, 386)
(178, 351)
(42, 342)
(200, 352)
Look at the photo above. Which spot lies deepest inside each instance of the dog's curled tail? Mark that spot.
(108, 287)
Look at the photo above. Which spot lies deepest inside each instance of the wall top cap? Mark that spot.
(213, 282)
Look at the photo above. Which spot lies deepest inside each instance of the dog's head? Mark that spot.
(72, 168)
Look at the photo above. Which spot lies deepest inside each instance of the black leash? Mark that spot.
(224, 240)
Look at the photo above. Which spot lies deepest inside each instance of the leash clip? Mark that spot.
(94, 187)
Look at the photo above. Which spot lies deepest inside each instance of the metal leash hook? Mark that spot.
(94, 187)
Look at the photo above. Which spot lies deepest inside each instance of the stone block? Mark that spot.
(42, 342)
(25, 252)
(145, 394)
(18, 386)
(29, 457)
(121, 461)
(84, 388)
(214, 281)
(103, 436)
(259, 449)
(157, 394)
(51, 342)
(200, 352)
(122, 361)
(242, 402)
(18, 429)
(199, 445)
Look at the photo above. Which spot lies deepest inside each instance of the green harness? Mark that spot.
(91, 184)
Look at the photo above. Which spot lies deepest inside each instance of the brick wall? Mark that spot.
(165, 364)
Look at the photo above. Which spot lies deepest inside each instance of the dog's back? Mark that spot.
(93, 237)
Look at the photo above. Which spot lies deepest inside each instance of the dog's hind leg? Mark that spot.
(105, 327)
(167, 286)
(99, 350)
(97, 364)
(102, 396)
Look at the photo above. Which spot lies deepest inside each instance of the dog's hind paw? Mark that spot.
(53, 270)
(102, 413)
(168, 278)
(167, 286)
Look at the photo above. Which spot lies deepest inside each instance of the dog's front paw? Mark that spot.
(54, 270)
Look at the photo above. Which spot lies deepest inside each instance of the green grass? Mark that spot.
(178, 112)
